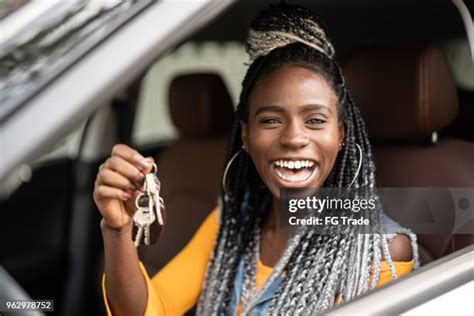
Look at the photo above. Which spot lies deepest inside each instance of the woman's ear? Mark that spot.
(244, 135)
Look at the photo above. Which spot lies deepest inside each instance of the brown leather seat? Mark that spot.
(406, 93)
(190, 170)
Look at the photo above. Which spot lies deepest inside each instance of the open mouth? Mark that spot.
(294, 171)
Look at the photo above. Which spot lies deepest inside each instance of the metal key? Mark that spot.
(143, 218)
(143, 221)
(137, 219)
(158, 200)
(149, 207)
(153, 188)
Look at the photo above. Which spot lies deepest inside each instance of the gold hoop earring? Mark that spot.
(358, 167)
(227, 167)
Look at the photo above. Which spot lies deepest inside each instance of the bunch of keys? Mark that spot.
(149, 210)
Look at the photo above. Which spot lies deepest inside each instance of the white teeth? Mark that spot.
(294, 164)
(297, 177)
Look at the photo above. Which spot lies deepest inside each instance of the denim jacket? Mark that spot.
(261, 304)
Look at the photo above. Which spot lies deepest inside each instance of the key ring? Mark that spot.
(137, 199)
(149, 206)
(155, 167)
(154, 170)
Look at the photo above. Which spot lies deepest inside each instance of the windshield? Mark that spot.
(43, 38)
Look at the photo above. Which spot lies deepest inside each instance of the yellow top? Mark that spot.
(176, 288)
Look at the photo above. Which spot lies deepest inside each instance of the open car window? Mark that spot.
(67, 73)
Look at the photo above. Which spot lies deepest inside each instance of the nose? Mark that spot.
(294, 136)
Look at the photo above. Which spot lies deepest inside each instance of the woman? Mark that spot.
(296, 127)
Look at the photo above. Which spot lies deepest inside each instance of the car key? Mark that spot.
(159, 203)
(153, 189)
(143, 218)
(137, 220)
(149, 211)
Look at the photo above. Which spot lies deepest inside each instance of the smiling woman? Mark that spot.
(295, 127)
(301, 125)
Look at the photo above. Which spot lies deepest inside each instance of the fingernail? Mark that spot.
(143, 163)
(126, 195)
(132, 187)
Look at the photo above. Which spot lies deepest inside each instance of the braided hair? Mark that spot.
(319, 267)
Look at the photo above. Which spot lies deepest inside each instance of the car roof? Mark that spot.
(352, 24)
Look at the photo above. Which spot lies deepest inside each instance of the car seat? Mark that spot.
(190, 170)
(406, 94)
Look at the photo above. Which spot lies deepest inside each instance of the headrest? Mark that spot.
(405, 92)
(200, 105)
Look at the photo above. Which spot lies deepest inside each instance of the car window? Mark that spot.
(67, 147)
(459, 58)
(153, 122)
(38, 92)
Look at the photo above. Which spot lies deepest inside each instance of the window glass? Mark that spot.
(460, 60)
(67, 147)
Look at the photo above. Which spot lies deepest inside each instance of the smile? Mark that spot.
(294, 171)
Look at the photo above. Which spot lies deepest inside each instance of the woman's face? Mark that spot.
(293, 132)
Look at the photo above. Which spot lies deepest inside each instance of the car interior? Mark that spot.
(415, 104)
(394, 60)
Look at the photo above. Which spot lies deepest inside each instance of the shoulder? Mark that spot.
(400, 248)
(212, 219)
(209, 226)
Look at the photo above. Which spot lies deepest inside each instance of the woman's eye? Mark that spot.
(269, 121)
(315, 121)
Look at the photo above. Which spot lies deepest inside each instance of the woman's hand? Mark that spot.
(119, 180)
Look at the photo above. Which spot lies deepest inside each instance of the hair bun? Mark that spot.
(281, 24)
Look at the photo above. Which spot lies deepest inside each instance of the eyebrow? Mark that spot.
(305, 108)
(312, 107)
(269, 108)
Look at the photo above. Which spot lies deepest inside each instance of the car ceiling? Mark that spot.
(354, 23)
